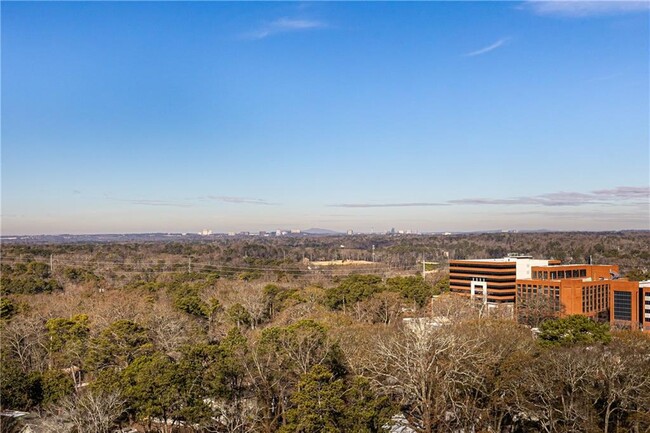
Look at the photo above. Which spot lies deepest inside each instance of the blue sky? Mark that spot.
(442, 116)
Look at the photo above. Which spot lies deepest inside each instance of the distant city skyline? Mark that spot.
(121, 117)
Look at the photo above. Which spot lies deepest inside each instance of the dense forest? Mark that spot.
(291, 254)
(252, 335)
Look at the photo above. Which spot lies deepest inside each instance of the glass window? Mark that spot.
(623, 306)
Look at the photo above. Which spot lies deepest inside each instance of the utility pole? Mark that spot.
(51, 263)
(373, 253)
(189, 265)
(424, 268)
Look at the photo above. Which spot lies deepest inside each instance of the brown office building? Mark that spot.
(573, 289)
(491, 280)
(630, 306)
(644, 289)
(594, 291)
(560, 272)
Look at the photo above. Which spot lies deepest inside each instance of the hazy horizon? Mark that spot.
(254, 232)
(122, 117)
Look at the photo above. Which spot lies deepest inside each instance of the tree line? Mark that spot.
(467, 375)
(628, 249)
(212, 352)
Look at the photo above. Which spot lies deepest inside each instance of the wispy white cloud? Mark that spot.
(150, 202)
(619, 196)
(592, 215)
(487, 49)
(605, 196)
(371, 205)
(284, 25)
(496, 201)
(192, 201)
(583, 8)
(240, 200)
(624, 192)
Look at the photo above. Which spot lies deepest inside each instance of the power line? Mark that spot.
(203, 266)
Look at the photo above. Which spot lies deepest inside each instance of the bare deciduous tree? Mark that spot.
(624, 380)
(535, 309)
(24, 339)
(423, 367)
(234, 416)
(170, 329)
(87, 412)
(455, 308)
(252, 299)
(383, 307)
(560, 389)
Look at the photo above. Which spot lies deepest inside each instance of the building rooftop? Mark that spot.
(502, 259)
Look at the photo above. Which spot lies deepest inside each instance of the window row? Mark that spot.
(558, 275)
(595, 298)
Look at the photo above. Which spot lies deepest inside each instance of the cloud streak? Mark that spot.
(372, 205)
(582, 9)
(604, 196)
(240, 200)
(487, 49)
(191, 201)
(599, 215)
(284, 25)
(625, 192)
(149, 202)
(620, 196)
